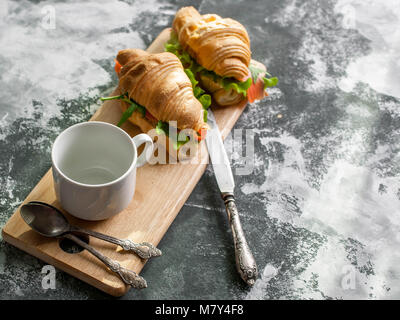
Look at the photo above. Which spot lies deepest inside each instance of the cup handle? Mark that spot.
(148, 148)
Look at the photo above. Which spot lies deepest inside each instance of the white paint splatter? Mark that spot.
(353, 201)
(60, 62)
(261, 285)
(347, 205)
(378, 21)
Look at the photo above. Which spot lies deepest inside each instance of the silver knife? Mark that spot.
(245, 262)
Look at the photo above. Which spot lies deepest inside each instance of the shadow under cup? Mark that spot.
(94, 170)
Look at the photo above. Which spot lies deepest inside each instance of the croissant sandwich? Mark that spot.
(216, 52)
(155, 90)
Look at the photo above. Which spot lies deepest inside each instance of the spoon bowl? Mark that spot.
(45, 219)
(50, 222)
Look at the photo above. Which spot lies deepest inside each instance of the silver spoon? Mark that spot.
(52, 223)
(144, 250)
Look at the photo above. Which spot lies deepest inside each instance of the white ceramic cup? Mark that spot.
(94, 168)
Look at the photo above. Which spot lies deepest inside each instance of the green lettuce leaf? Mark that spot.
(175, 47)
(199, 93)
(196, 89)
(161, 127)
(239, 87)
(268, 82)
(205, 115)
(228, 83)
(205, 100)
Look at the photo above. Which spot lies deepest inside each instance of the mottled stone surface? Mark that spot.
(321, 207)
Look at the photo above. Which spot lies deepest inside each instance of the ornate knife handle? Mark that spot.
(145, 250)
(245, 262)
(128, 276)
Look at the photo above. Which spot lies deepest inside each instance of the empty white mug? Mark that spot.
(94, 168)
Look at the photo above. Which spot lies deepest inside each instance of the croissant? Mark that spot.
(217, 52)
(220, 45)
(159, 83)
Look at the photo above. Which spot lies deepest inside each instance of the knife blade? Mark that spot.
(245, 262)
(218, 156)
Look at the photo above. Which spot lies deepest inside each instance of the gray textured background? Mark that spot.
(321, 208)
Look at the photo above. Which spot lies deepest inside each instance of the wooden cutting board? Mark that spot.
(147, 218)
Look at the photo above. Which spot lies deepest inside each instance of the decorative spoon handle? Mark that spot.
(128, 276)
(245, 262)
(145, 250)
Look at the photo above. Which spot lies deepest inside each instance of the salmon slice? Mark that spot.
(117, 67)
(256, 90)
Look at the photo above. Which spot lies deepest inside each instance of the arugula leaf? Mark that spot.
(126, 115)
(178, 143)
(133, 106)
(122, 96)
(141, 109)
(163, 128)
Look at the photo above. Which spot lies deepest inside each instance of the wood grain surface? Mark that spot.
(147, 218)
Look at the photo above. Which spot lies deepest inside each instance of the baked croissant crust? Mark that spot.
(159, 83)
(220, 45)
